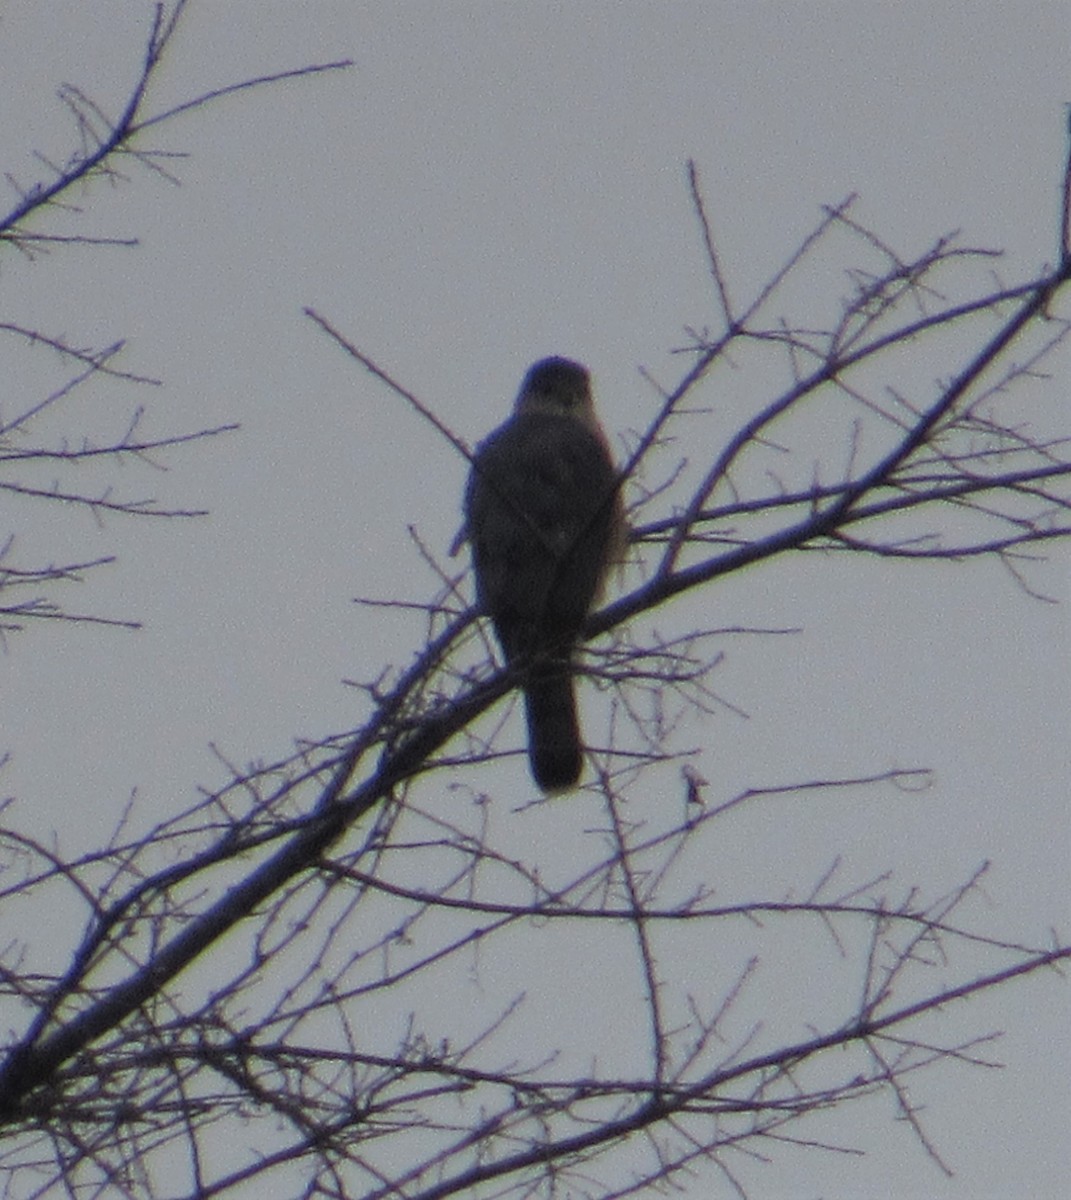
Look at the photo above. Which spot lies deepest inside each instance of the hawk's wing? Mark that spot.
(541, 514)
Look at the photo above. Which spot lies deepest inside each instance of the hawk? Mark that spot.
(545, 523)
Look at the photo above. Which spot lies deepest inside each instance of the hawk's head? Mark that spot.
(556, 385)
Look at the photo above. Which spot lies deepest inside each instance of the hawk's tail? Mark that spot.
(553, 728)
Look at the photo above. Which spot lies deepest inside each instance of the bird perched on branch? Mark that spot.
(545, 522)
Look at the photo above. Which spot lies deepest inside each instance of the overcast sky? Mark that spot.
(493, 182)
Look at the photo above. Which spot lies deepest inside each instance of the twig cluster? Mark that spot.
(35, 465)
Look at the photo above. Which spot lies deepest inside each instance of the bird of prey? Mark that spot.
(545, 523)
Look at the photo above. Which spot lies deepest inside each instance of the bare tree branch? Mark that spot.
(321, 972)
(100, 143)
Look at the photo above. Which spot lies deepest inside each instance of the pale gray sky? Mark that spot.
(494, 182)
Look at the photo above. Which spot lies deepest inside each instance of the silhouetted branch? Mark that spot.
(100, 143)
(370, 954)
